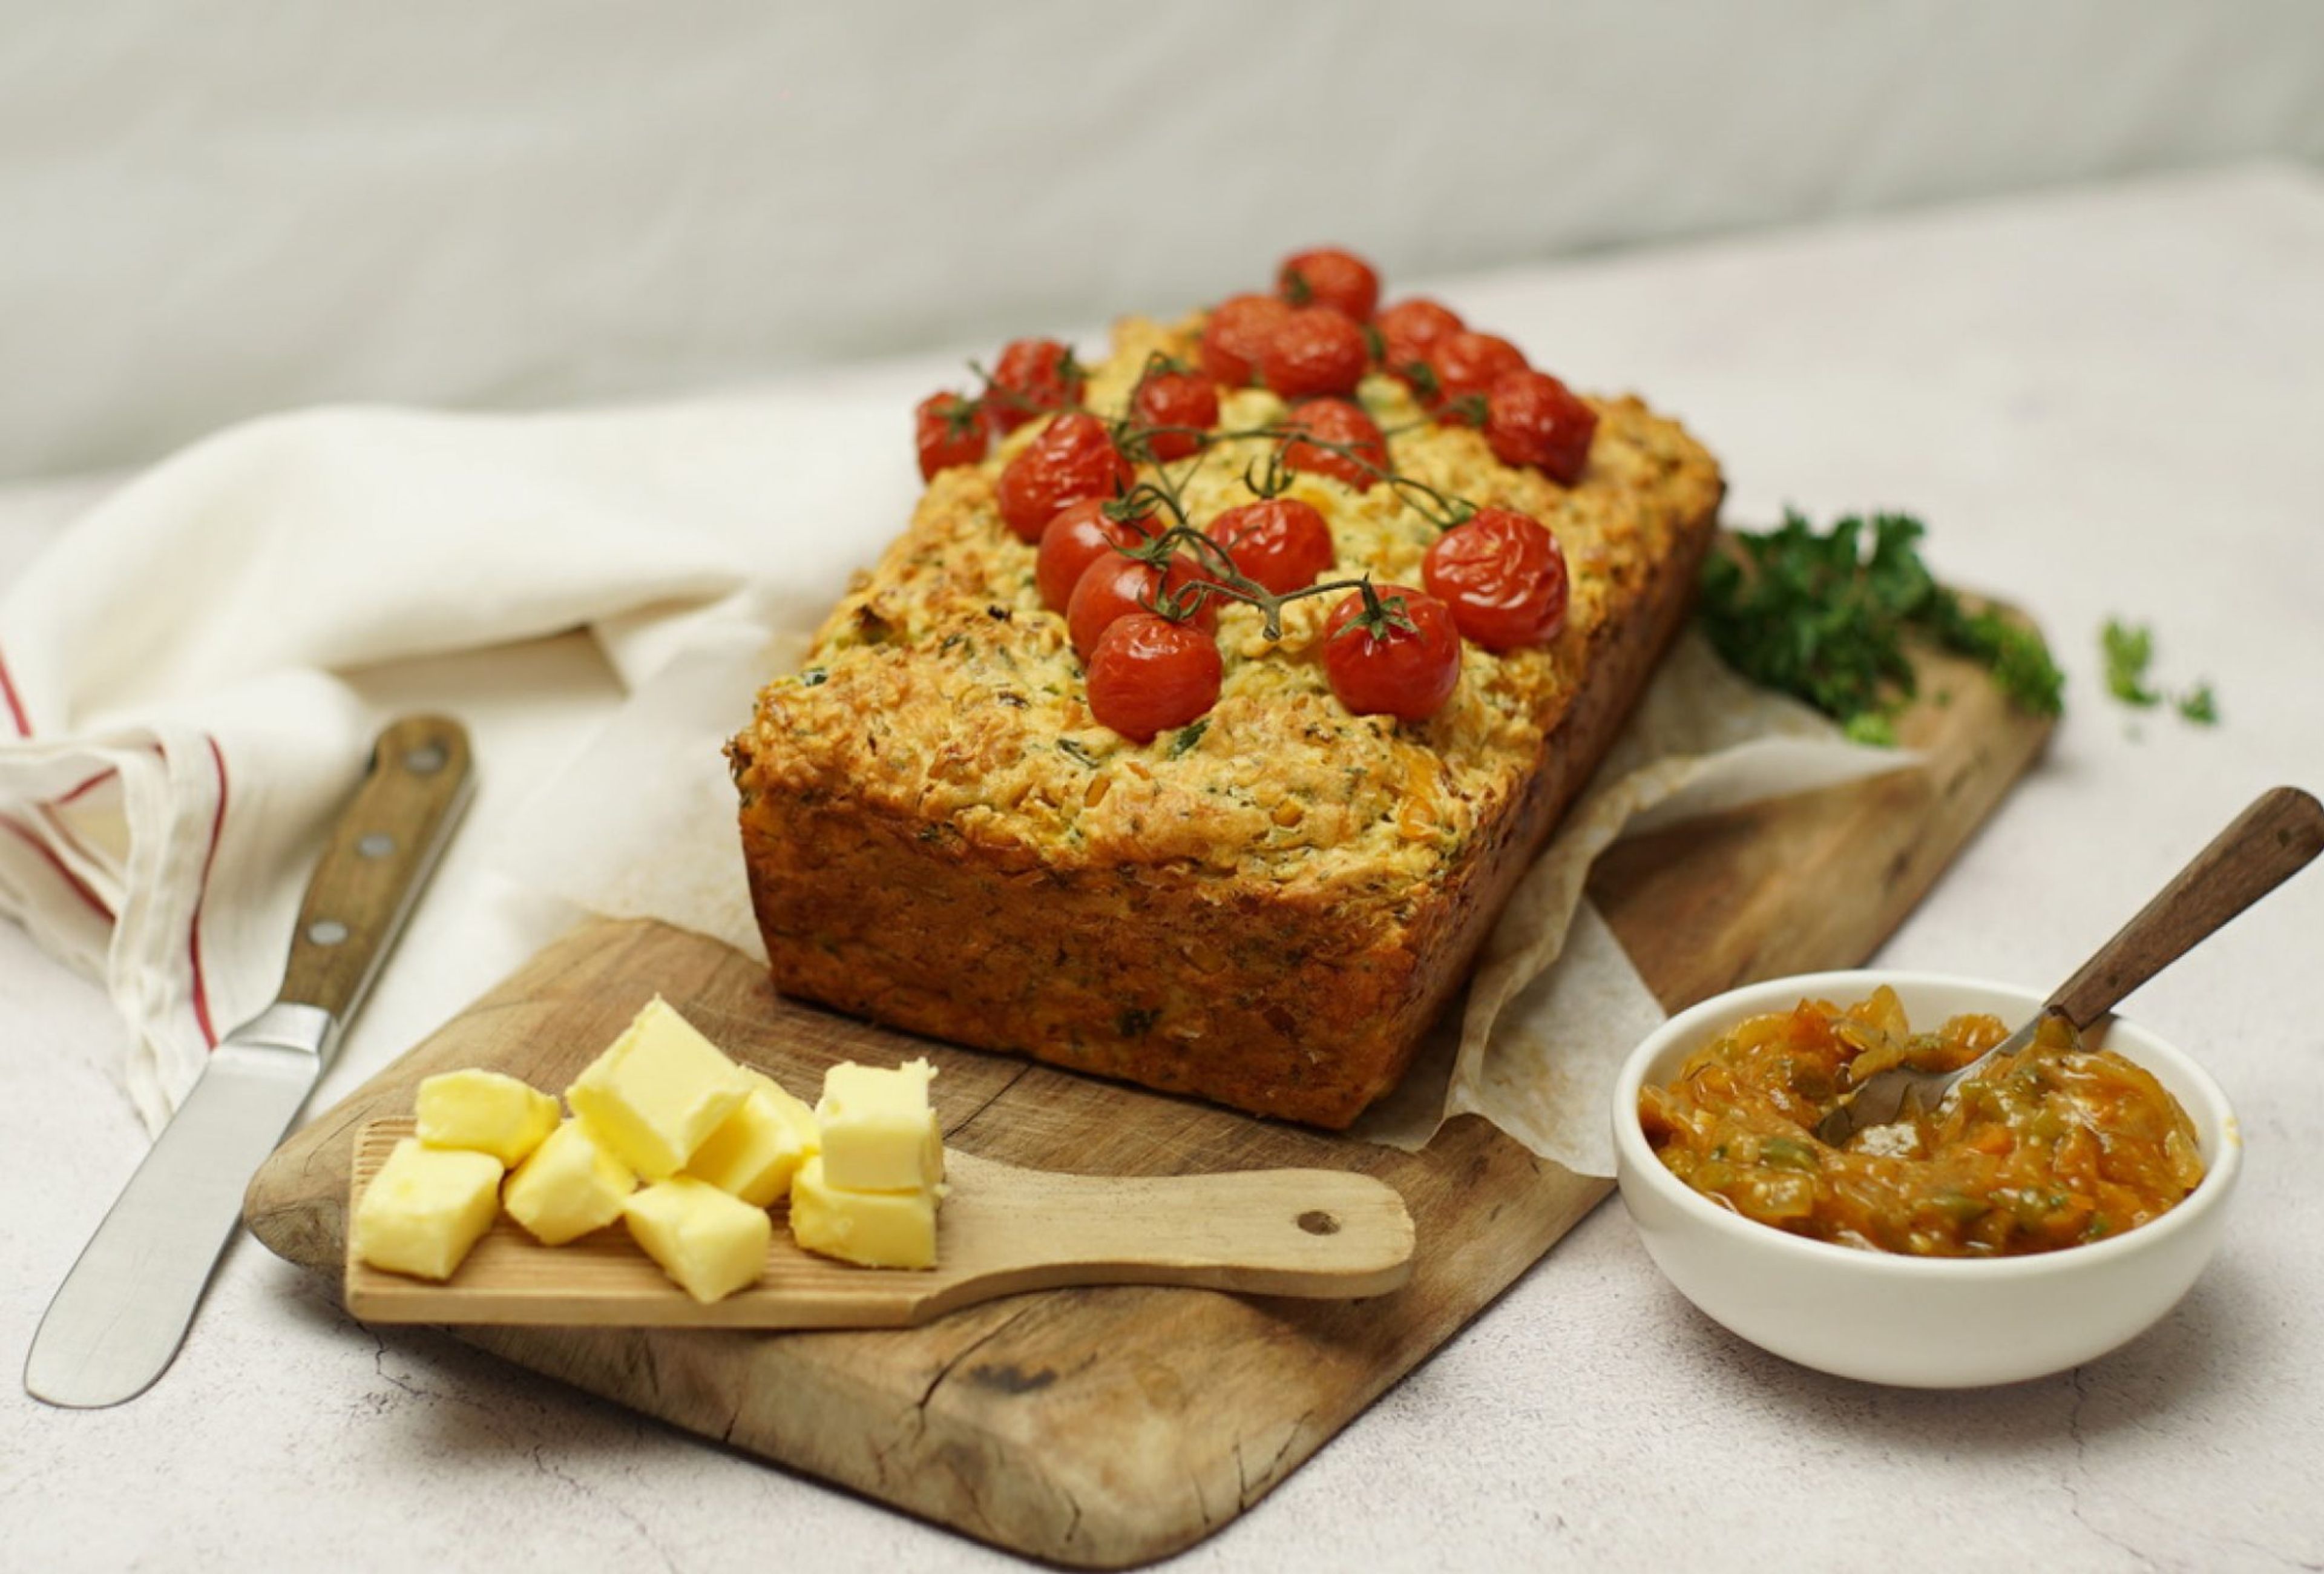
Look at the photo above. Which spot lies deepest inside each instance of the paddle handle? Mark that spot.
(1310, 1233)
(2261, 848)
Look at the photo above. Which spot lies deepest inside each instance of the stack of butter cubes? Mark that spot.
(686, 1147)
(870, 1196)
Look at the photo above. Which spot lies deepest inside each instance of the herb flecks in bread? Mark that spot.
(1267, 904)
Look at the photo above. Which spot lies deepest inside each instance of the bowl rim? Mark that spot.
(2217, 1123)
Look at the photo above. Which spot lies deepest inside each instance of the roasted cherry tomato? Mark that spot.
(1462, 369)
(1361, 455)
(1405, 664)
(950, 431)
(1314, 351)
(1148, 674)
(1077, 537)
(1409, 329)
(1533, 419)
(1329, 276)
(1504, 577)
(1186, 403)
(1033, 378)
(1279, 542)
(1074, 458)
(1231, 339)
(1115, 587)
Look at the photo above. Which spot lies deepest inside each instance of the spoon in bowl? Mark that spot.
(2261, 848)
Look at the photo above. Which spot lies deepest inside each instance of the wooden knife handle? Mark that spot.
(378, 856)
(2265, 846)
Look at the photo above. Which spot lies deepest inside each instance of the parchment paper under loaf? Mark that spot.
(643, 825)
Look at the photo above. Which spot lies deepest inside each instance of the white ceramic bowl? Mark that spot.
(1919, 1322)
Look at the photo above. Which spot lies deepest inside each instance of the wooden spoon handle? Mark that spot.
(377, 857)
(2265, 846)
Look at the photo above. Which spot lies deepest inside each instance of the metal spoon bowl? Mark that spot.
(2261, 848)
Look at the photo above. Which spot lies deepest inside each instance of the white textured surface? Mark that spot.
(2103, 402)
(215, 207)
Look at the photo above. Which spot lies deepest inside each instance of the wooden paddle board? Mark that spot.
(1328, 1234)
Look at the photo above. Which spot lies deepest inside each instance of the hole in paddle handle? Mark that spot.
(1316, 1222)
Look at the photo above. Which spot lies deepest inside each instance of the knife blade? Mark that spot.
(121, 1314)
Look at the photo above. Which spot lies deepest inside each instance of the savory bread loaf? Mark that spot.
(1266, 907)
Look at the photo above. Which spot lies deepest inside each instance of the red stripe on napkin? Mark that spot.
(64, 872)
(194, 931)
(99, 780)
(15, 705)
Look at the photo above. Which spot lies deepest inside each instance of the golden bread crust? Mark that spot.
(1267, 909)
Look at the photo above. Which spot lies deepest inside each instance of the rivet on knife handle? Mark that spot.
(377, 860)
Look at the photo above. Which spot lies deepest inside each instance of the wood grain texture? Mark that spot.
(377, 859)
(1322, 1234)
(1817, 880)
(2260, 849)
(1109, 1426)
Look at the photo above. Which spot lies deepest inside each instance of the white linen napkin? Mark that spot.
(175, 730)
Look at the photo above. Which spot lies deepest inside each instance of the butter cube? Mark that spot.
(658, 1092)
(426, 1208)
(879, 1133)
(879, 1229)
(567, 1188)
(754, 1155)
(485, 1111)
(710, 1242)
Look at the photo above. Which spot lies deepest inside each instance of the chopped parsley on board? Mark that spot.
(1824, 616)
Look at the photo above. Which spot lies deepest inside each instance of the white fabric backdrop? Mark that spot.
(213, 208)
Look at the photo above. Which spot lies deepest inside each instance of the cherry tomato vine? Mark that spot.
(1140, 583)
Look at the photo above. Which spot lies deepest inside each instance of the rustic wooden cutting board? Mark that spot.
(1107, 1427)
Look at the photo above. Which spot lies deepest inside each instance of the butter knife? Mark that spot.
(118, 1319)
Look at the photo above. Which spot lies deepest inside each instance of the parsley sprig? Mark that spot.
(1825, 616)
